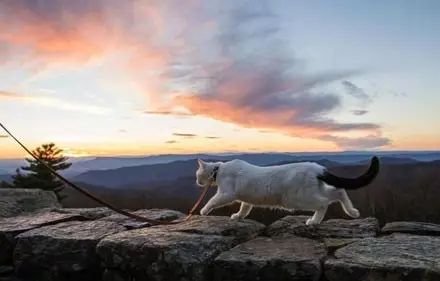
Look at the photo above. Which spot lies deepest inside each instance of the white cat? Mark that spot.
(302, 186)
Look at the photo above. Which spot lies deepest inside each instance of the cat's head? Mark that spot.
(204, 172)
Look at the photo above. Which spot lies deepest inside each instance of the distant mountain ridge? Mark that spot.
(84, 164)
(169, 172)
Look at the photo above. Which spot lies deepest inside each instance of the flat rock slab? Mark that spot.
(65, 251)
(159, 254)
(89, 213)
(18, 201)
(11, 227)
(336, 228)
(218, 225)
(277, 258)
(333, 244)
(419, 228)
(155, 214)
(400, 257)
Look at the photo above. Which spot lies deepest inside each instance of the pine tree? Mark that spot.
(37, 175)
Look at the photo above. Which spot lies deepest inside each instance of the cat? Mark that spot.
(298, 186)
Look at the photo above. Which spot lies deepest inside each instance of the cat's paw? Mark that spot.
(311, 222)
(204, 212)
(235, 216)
(354, 213)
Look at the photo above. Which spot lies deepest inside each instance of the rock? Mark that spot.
(155, 214)
(277, 258)
(89, 213)
(6, 269)
(11, 227)
(17, 201)
(219, 225)
(65, 251)
(157, 254)
(333, 244)
(419, 228)
(338, 228)
(395, 257)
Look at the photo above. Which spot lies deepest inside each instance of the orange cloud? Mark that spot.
(54, 103)
(248, 116)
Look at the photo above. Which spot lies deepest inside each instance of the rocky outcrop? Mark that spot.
(11, 227)
(395, 257)
(155, 214)
(175, 252)
(97, 244)
(17, 201)
(65, 251)
(419, 228)
(264, 258)
(338, 228)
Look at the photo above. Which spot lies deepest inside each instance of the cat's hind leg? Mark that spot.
(346, 204)
(318, 216)
(218, 200)
(244, 211)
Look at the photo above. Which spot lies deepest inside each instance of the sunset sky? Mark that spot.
(133, 77)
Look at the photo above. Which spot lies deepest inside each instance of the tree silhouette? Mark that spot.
(37, 175)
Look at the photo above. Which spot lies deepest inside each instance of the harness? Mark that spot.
(213, 176)
(212, 180)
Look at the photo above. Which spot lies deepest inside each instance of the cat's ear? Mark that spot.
(201, 163)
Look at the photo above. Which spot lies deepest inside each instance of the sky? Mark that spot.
(110, 77)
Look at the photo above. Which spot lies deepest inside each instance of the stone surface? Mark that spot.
(17, 201)
(89, 213)
(395, 257)
(337, 228)
(218, 225)
(277, 258)
(419, 228)
(333, 244)
(155, 214)
(159, 254)
(65, 251)
(10, 227)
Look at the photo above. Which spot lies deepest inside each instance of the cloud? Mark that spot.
(264, 88)
(366, 142)
(166, 112)
(3, 136)
(236, 68)
(185, 135)
(171, 142)
(212, 137)
(10, 95)
(359, 112)
(356, 92)
(53, 102)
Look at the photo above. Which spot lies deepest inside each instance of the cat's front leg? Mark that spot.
(244, 211)
(318, 216)
(217, 201)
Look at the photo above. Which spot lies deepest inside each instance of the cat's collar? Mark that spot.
(213, 177)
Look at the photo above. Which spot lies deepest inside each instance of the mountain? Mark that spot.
(143, 174)
(168, 172)
(84, 164)
(6, 178)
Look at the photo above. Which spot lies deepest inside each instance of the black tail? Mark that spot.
(352, 183)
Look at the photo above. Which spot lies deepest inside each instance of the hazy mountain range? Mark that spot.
(117, 172)
(406, 187)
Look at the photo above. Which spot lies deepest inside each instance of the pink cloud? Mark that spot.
(187, 56)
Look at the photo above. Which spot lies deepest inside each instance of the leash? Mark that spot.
(104, 203)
